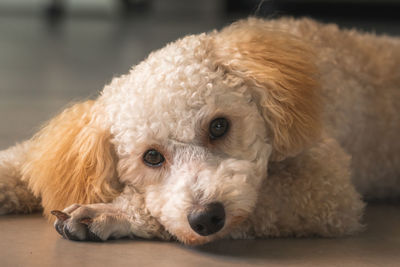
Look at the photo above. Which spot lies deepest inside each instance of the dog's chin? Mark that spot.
(189, 237)
(193, 239)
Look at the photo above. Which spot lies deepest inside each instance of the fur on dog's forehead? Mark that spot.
(168, 94)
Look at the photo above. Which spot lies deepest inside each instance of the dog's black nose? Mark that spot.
(207, 220)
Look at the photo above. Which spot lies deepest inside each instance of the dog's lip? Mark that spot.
(191, 238)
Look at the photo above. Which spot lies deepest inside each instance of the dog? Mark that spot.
(266, 128)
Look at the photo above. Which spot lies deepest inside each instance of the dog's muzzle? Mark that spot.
(207, 220)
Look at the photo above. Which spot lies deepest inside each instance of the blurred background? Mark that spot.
(53, 52)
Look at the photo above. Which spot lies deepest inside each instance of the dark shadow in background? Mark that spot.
(377, 16)
(318, 9)
(359, 13)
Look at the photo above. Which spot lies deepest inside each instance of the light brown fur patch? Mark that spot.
(70, 160)
(280, 69)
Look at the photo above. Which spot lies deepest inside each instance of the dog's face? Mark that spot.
(191, 138)
(192, 128)
(191, 133)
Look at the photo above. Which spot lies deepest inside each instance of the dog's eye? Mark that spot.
(153, 158)
(218, 128)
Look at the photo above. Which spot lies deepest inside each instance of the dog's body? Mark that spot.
(297, 99)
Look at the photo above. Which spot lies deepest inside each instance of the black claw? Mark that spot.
(59, 228)
(68, 235)
(89, 235)
(62, 229)
(62, 216)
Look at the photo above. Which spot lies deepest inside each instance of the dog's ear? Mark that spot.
(71, 160)
(279, 70)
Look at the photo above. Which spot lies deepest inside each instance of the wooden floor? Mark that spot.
(44, 66)
(31, 241)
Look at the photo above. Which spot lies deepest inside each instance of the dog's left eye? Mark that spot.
(153, 158)
(218, 128)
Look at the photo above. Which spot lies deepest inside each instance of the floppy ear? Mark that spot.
(279, 70)
(71, 160)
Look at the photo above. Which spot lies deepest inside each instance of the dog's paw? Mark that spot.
(84, 223)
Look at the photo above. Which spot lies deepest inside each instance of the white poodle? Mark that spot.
(265, 128)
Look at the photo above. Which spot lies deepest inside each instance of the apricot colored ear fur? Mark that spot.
(280, 71)
(71, 160)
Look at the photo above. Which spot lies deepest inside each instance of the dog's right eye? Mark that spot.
(153, 158)
(218, 128)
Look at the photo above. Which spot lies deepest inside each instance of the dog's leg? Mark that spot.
(125, 217)
(15, 197)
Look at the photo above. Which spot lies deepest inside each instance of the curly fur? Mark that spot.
(313, 114)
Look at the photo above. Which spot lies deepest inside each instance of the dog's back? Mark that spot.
(360, 82)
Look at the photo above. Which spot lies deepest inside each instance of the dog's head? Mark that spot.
(194, 126)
